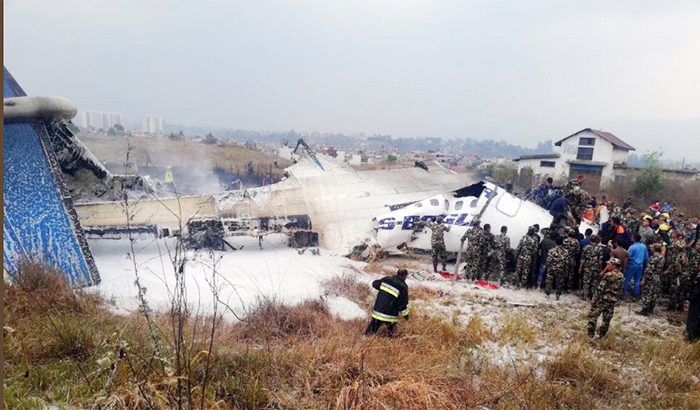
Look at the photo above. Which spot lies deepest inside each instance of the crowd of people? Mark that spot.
(645, 256)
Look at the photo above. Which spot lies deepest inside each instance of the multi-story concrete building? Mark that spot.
(100, 120)
(152, 125)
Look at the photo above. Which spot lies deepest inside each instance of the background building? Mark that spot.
(589, 152)
(100, 120)
(152, 125)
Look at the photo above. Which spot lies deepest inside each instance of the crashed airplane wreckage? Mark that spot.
(321, 201)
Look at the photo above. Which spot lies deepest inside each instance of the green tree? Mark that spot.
(210, 139)
(651, 180)
(526, 177)
(111, 132)
(391, 158)
(119, 129)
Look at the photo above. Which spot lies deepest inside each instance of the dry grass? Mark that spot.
(299, 356)
(165, 152)
(348, 286)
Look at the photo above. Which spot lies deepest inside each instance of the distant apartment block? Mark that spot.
(100, 120)
(152, 125)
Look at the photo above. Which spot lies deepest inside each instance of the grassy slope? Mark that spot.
(301, 357)
(164, 152)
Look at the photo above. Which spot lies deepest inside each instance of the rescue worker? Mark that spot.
(437, 241)
(556, 268)
(169, 175)
(525, 255)
(570, 243)
(592, 260)
(501, 248)
(475, 242)
(605, 298)
(679, 276)
(392, 302)
(487, 251)
(651, 281)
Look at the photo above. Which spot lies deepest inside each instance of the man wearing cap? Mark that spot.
(677, 223)
(651, 281)
(392, 302)
(472, 256)
(437, 241)
(594, 256)
(679, 275)
(605, 298)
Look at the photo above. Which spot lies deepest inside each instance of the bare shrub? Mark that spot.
(269, 319)
(578, 366)
(348, 286)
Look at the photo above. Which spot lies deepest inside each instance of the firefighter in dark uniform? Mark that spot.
(392, 302)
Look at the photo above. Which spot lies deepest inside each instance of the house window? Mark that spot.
(586, 141)
(585, 154)
(547, 164)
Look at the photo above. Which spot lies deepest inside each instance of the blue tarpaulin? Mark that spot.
(39, 221)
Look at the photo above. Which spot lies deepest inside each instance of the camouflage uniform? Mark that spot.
(693, 258)
(572, 247)
(652, 279)
(501, 246)
(556, 269)
(679, 274)
(437, 242)
(472, 257)
(486, 259)
(591, 263)
(632, 224)
(580, 197)
(608, 290)
(525, 256)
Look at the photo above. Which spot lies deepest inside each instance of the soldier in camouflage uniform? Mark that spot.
(694, 256)
(607, 292)
(651, 281)
(472, 255)
(578, 196)
(556, 268)
(679, 275)
(501, 247)
(437, 241)
(631, 223)
(572, 248)
(591, 264)
(487, 250)
(525, 255)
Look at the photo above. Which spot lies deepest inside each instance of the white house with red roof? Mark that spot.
(589, 152)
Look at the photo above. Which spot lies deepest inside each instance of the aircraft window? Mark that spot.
(419, 205)
(459, 205)
(447, 205)
(473, 204)
(434, 202)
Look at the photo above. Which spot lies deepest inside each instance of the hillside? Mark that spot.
(160, 153)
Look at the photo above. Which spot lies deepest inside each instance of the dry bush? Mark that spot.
(270, 319)
(347, 285)
(408, 266)
(424, 293)
(378, 268)
(577, 366)
(516, 328)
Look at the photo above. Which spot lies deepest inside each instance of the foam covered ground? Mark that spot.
(242, 277)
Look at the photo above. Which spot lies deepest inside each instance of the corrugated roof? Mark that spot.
(604, 135)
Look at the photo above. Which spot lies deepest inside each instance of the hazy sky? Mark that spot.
(522, 70)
